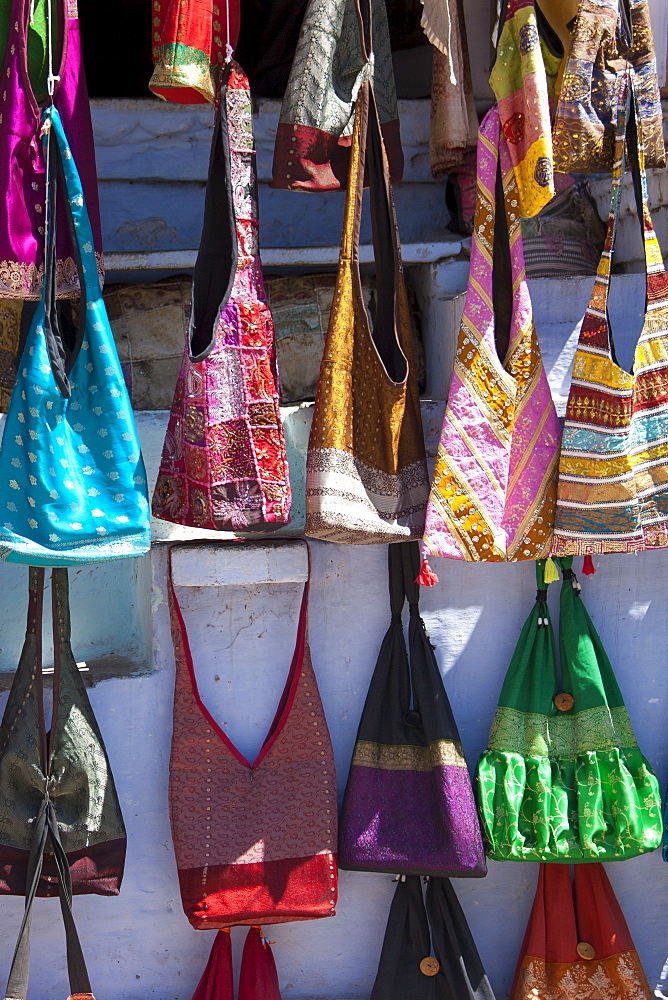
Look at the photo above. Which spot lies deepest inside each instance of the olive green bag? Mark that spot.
(563, 778)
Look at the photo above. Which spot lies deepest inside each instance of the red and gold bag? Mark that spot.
(577, 943)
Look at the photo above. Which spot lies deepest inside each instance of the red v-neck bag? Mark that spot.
(254, 843)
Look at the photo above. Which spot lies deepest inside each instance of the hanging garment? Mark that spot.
(22, 163)
(566, 238)
(407, 967)
(408, 805)
(609, 38)
(612, 494)
(36, 41)
(72, 479)
(270, 855)
(519, 81)
(224, 464)
(577, 943)
(190, 39)
(11, 311)
(453, 121)
(331, 64)
(65, 768)
(563, 778)
(494, 488)
(366, 469)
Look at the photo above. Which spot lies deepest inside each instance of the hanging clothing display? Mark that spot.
(190, 39)
(494, 488)
(331, 64)
(11, 311)
(407, 967)
(607, 37)
(563, 778)
(453, 122)
(72, 478)
(577, 943)
(258, 978)
(366, 469)
(65, 767)
(22, 164)
(566, 237)
(270, 855)
(224, 463)
(408, 805)
(519, 81)
(37, 47)
(612, 494)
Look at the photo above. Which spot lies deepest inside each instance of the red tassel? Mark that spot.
(216, 982)
(426, 576)
(258, 979)
(588, 567)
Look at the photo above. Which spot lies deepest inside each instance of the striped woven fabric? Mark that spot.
(613, 473)
(494, 488)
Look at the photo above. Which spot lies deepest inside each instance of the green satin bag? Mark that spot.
(563, 778)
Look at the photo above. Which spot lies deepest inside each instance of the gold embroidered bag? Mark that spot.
(366, 471)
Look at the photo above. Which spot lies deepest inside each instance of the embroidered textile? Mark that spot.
(583, 134)
(563, 919)
(366, 469)
(494, 487)
(72, 478)
(409, 805)
(613, 472)
(520, 84)
(224, 463)
(270, 855)
(313, 140)
(564, 783)
(22, 163)
(189, 43)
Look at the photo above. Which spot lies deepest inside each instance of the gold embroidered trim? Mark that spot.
(24, 281)
(534, 735)
(617, 977)
(440, 753)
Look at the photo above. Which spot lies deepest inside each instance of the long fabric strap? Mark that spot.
(46, 825)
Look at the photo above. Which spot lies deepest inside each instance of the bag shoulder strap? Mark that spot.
(46, 826)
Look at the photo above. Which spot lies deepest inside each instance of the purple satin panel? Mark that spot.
(22, 175)
(442, 820)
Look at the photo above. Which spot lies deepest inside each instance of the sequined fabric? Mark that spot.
(255, 842)
(313, 140)
(613, 473)
(224, 463)
(494, 488)
(520, 85)
(584, 125)
(366, 470)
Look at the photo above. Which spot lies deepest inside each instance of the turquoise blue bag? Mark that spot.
(72, 478)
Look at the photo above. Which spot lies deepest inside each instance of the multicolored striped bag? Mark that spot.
(612, 494)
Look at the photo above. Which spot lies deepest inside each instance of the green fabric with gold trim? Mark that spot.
(564, 785)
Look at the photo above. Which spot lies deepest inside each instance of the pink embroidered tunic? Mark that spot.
(22, 167)
(494, 489)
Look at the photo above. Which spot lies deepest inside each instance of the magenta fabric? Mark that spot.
(22, 167)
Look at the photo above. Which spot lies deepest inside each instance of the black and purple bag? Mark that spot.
(409, 806)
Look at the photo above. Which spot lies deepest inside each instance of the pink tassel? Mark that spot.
(216, 982)
(258, 979)
(588, 567)
(426, 576)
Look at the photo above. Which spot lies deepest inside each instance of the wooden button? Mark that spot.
(430, 966)
(586, 950)
(564, 701)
